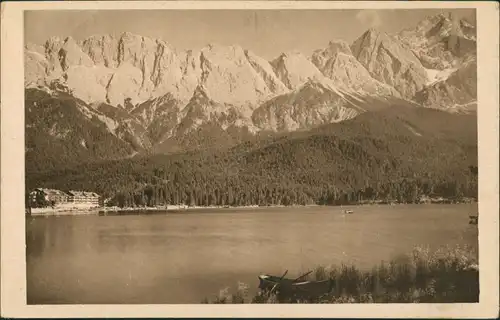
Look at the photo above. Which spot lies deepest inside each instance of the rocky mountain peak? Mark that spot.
(266, 72)
(293, 69)
(336, 46)
(337, 63)
(200, 94)
(372, 34)
(154, 93)
(130, 35)
(101, 49)
(53, 41)
(440, 41)
(223, 54)
(321, 56)
(234, 76)
(388, 61)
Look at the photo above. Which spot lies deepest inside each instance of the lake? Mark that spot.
(184, 257)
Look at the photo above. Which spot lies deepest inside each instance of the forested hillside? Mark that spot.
(60, 131)
(396, 153)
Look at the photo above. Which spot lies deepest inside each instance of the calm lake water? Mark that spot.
(184, 257)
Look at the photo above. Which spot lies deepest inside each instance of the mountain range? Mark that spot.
(135, 95)
(388, 116)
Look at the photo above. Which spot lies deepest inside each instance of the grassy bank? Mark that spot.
(447, 275)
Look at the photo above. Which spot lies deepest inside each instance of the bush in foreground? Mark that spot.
(448, 275)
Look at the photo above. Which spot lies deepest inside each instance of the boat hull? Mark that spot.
(292, 289)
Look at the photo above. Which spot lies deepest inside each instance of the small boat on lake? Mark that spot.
(268, 282)
(294, 288)
(473, 219)
(348, 212)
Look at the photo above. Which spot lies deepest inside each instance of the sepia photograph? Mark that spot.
(184, 156)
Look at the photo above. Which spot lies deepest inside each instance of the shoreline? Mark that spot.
(180, 208)
(37, 212)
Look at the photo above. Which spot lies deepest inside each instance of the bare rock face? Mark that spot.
(71, 55)
(88, 84)
(175, 73)
(389, 62)
(266, 72)
(321, 57)
(102, 50)
(52, 47)
(202, 110)
(312, 104)
(160, 116)
(136, 68)
(294, 69)
(457, 93)
(112, 70)
(229, 77)
(150, 95)
(35, 64)
(337, 63)
(125, 83)
(440, 41)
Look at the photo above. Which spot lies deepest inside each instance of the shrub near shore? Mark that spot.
(447, 275)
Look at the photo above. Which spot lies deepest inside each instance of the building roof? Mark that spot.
(52, 192)
(83, 193)
(55, 192)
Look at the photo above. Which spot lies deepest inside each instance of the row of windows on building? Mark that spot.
(61, 197)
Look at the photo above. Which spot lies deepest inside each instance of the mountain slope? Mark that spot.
(440, 41)
(383, 154)
(63, 131)
(135, 69)
(167, 124)
(456, 93)
(389, 62)
(312, 104)
(151, 98)
(294, 69)
(337, 63)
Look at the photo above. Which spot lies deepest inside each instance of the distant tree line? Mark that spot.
(310, 171)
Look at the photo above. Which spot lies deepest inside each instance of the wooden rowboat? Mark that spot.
(294, 288)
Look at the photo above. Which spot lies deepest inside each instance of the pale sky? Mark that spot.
(265, 32)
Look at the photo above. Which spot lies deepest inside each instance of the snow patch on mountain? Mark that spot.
(124, 84)
(465, 108)
(436, 75)
(110, 123)
(413, 130)
(88, 83)
(459, 88)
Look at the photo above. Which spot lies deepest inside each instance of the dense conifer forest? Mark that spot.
(396, 154)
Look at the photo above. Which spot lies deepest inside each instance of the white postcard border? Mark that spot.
(13, 257)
